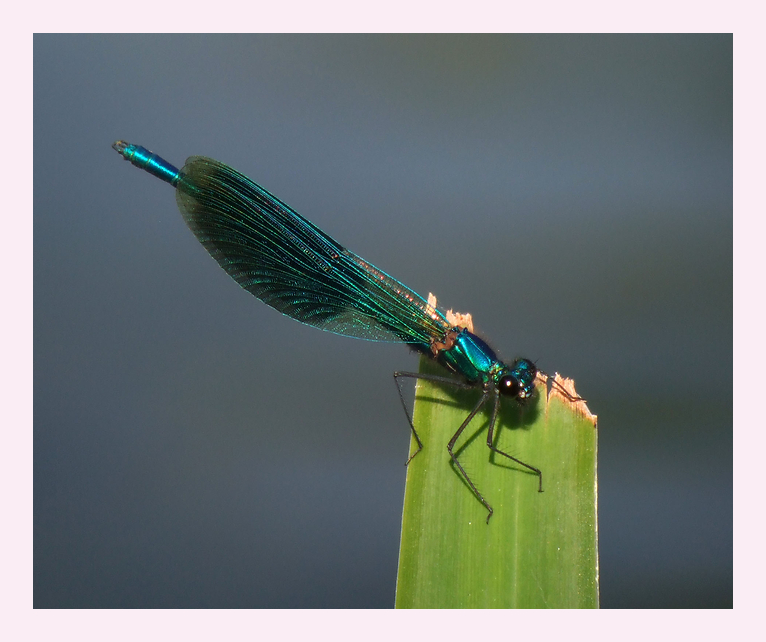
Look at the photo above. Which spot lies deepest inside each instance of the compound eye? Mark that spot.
(509, 386)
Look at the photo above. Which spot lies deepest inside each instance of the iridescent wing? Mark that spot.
(291, 265)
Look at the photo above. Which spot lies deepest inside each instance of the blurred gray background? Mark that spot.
(194, 448)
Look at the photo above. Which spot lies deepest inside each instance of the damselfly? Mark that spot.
(291, 265)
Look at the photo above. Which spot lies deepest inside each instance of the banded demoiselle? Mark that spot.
(294, 267)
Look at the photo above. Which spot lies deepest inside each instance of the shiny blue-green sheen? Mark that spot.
(291, 265)
(472, 358)
(149, 162)
(525, 372)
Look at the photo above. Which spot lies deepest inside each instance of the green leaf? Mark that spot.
(539, 550)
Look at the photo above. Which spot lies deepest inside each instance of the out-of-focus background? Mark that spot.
(194, 448)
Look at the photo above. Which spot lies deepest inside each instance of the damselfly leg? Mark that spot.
(487, 391)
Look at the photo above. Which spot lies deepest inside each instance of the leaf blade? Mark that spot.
(539, 550)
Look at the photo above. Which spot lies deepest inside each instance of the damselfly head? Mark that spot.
(519, 380)
(508, 385)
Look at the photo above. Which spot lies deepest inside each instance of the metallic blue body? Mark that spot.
(291, 265)
(469, 357)
(474, 360)
(149, 162)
